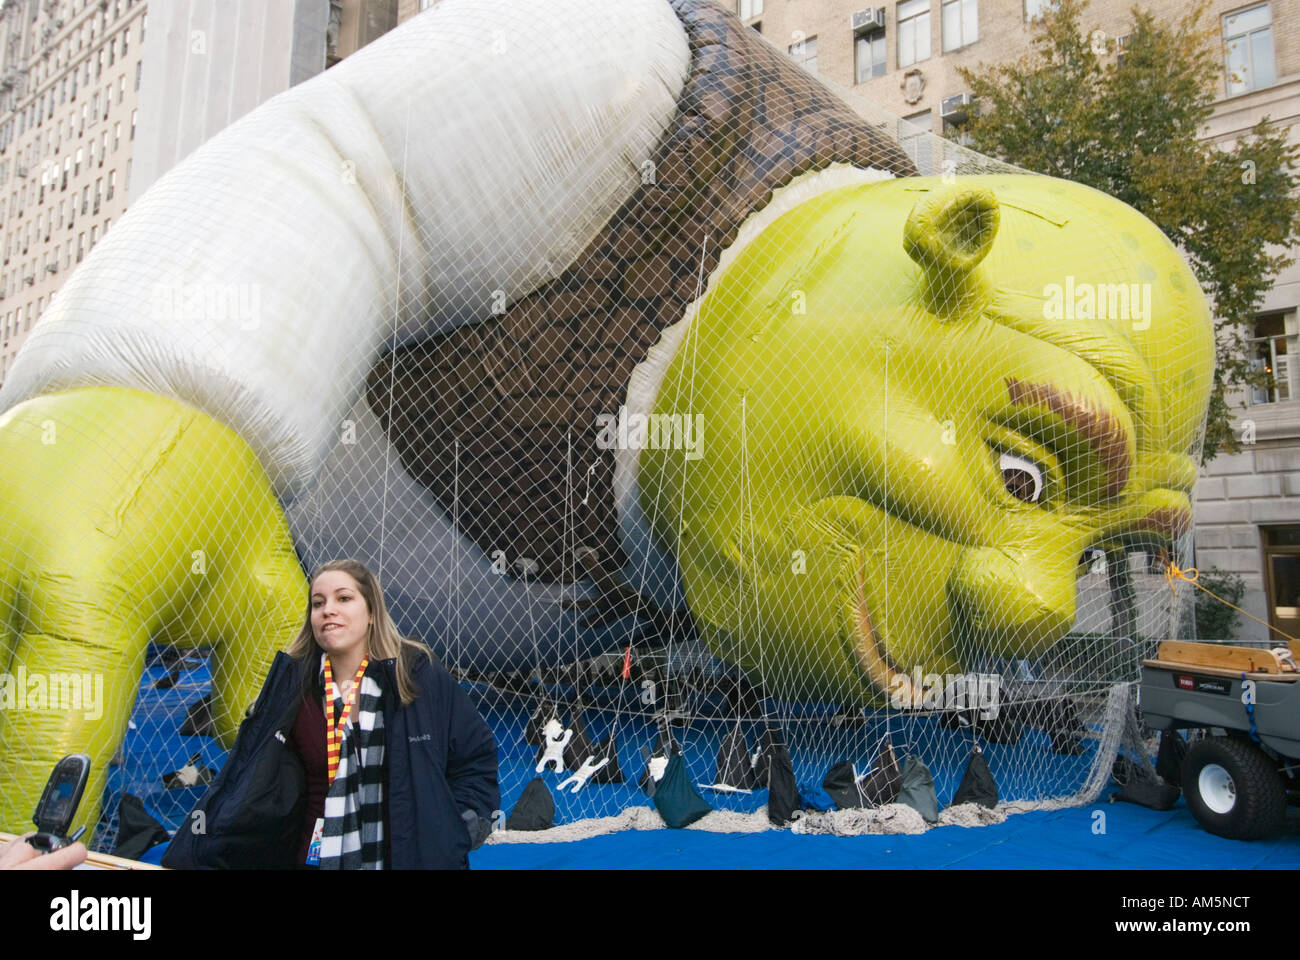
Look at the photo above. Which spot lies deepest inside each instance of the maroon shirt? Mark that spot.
(308, 739)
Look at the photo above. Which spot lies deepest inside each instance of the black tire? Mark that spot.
(1241, 795)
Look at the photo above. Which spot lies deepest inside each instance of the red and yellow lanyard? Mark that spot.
(333, 736)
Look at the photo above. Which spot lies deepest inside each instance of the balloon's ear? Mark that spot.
(947, 234)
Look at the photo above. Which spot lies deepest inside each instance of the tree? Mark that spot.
(1129, 125)
(1215, 620)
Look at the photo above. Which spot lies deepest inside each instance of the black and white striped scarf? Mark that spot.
(353, 838)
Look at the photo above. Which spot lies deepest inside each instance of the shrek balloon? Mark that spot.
(524, 322)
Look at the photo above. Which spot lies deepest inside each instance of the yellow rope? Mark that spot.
(1173, 573)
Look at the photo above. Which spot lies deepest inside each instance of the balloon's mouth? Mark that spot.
(1167, 523)
(872, 659)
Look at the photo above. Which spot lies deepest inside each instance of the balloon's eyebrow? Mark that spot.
(1104, 432)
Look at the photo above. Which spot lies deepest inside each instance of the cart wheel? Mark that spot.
(1233, 789)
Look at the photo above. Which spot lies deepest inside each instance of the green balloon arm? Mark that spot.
(127, 518)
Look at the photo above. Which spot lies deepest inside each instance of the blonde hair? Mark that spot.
(383, 641)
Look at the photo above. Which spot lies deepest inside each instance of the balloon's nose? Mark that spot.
(1014, 603)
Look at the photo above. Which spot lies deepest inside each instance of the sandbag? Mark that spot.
(977, 783)
(917, 789)
(137, 831)
(607, 749)
(882, 784)
(579, 748)
(676, 798)
(535, 809)
(841, 785)
(782, 791)
(735, 764)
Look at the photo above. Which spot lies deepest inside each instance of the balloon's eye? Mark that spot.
(1022, 478)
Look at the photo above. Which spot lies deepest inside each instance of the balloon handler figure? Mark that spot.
(692, 332)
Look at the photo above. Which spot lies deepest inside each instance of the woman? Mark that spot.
(406, 778)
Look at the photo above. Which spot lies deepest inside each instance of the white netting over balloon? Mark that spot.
(729, 441)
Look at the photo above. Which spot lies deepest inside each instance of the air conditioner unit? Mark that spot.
(30, 280)
(956, 108)
(21, 171)
(864, 21)
(52, 267)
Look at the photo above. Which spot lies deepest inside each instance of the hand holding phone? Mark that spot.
(59, 802)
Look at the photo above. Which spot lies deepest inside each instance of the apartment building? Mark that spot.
(354, 23)
(76, 76)
(70, 74)
(904, 56)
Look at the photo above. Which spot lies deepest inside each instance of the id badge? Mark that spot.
(313, 848)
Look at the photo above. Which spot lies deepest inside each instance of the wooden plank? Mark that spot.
(1220, 671)
(1240, 659)
(105, 861)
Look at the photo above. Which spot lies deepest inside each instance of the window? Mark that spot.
(121, 87)
(81, 246)
(108, 99)
(117, 135)
(869, 54)
(1034, 9)
(112, 50)
(133, 113)
(112, 183)
(1271, 350)
(138, 65)
(957, 130)
(103, 147)
(914, 138)
(85, 199)
(126, 40)
(76, 169)
(1248, 49)
(750, 9)
(804, 53)
(1121, 44)
(960, 23)
(99, 63)
(144, 18)
(913, 32)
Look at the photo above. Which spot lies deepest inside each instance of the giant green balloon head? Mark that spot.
(922, 402)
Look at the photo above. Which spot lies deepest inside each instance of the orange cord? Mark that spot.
(1174, 573)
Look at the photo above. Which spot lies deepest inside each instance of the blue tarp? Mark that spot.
(1133, 837)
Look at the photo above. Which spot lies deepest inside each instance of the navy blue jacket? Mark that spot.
(440, 759)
